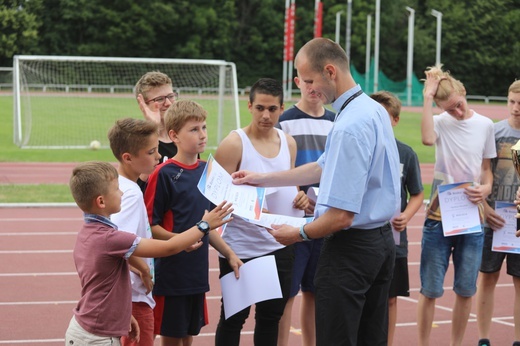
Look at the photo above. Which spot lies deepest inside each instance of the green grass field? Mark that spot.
(105, 111)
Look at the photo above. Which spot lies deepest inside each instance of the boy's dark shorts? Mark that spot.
(400, 285)
(492, 261)
(180, 316)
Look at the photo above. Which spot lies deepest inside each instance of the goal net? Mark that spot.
(67, 102)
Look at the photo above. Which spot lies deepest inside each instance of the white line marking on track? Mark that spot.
(11, 252)
(37, 274)
(41, 219)
(32, 234)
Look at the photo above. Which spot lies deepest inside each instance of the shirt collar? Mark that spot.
(89, 218)
(340, 100)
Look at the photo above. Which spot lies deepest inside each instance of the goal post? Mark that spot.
(62, 102)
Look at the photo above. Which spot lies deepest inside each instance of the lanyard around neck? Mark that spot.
(345, 104)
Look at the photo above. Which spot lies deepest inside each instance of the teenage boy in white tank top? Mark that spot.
(260, 147)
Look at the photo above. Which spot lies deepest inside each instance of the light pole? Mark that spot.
(376, 46)
(347, 33)
(409, 61)
(439, 30)
(338, 24)
(367, 58)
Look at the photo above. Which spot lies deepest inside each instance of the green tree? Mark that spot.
(19, 25)
(257, 45)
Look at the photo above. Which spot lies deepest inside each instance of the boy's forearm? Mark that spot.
(158, 232)
(138, 265)
(219, 244)
(427, 131)
(414, 203)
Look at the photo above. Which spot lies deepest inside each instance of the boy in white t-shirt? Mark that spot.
(134, 144)
(464, 146)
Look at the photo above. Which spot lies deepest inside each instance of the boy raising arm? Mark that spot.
(104, 310)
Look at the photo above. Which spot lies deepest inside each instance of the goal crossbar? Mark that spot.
(214, 80)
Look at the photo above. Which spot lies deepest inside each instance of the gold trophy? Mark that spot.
(515, 154)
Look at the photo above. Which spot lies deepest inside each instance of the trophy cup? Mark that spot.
(515, 154)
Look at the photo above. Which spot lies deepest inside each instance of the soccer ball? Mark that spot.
(95, 145)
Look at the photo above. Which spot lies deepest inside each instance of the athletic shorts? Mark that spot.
(180, 316)
(306, 255)
(143, 314)
(400, 285)
(436, 250)
(492, 261)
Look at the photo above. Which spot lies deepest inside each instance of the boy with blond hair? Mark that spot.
(174, 204)
(464, 146)
(154, 94)
(505, 184)
(104, 311)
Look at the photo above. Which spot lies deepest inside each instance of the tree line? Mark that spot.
(480, 44)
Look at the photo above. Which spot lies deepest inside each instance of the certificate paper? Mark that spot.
(504, 239)
(258, 282)
(266, 220)
(459, 215)
(217, 185)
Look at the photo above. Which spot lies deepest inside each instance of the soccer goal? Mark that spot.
(68, 102)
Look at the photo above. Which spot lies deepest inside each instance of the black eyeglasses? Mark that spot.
(162, 99)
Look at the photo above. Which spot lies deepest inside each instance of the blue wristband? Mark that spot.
(304, 235)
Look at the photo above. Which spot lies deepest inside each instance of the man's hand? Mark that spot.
(285, 234)
(248, 178)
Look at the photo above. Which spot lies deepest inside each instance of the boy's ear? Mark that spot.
(126, 157)
(396, 119)
(173, 136)
(99, 202)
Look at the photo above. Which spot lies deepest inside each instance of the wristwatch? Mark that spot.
(203, 226)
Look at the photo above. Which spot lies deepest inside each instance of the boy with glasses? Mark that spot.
(154, 94)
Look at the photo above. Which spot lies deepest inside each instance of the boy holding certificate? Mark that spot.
(464, 146)
(505, 185)
(174, 205)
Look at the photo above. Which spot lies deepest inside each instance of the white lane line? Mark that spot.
(32, 234)
(25, 252)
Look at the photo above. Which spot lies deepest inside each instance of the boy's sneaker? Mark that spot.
(484, 342)
(516, 343)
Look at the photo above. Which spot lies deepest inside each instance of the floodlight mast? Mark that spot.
(338, 25)
(438, 15)
(409, 61)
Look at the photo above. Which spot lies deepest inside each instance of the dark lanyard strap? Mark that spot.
(347, 102)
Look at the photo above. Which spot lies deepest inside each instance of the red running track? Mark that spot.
(39, 286)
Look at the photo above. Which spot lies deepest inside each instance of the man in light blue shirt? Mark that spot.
(359, 193)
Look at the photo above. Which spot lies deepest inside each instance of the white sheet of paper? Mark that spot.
(266, 220)
(312, 193)
(258, 282)
(217, 185)
(281, 201)
(504, 239)
(397, 235)
(459, 215)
